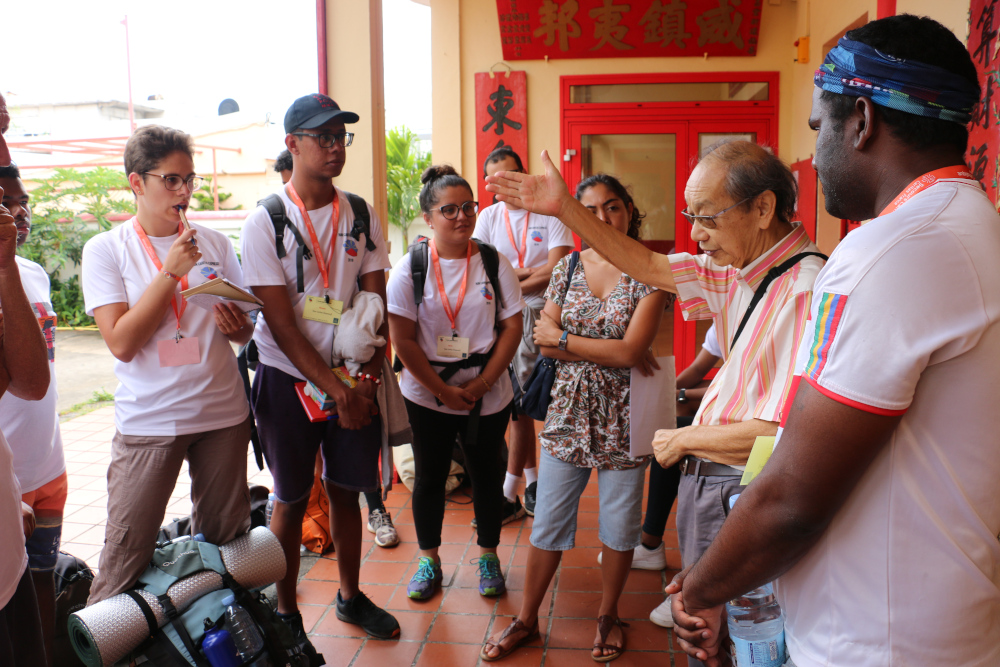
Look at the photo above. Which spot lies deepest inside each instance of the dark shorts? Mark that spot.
(290, 441)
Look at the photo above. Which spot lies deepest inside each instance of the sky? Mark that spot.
(196, 54)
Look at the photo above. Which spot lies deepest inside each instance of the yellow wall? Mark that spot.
(465, 39)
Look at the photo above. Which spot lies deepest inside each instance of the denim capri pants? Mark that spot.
(560, 486)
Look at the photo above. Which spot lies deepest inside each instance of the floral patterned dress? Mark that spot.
(587, 424)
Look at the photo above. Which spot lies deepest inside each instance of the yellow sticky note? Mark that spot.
(761, 452)
(318, 310)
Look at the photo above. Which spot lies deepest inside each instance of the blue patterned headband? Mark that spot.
(858, 70)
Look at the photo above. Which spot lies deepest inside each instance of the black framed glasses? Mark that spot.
(326, 139)
(450, 211)
(708, 221)
(173, 182)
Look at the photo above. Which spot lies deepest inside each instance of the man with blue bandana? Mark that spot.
(878, 513)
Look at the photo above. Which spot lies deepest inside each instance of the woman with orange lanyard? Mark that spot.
(459, 329)
(180, 395)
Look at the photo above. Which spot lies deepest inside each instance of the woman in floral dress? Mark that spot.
(599, 330)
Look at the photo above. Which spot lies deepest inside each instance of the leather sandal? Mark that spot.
(604, 626)
(515, 626)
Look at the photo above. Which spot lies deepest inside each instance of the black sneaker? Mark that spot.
(359, 610)
(294, 623)
(509, 511)
(529, 498)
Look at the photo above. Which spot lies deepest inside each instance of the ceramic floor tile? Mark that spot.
(338, 651)
(459, 628)
(387, 653)
(442, 655)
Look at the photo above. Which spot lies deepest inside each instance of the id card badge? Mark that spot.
(319, 310)
(453, 347)
(179, 352)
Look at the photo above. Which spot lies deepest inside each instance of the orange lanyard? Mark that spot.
(524, 237)
(924, 182)
(141, 233)
(324, 264)
(444, 295)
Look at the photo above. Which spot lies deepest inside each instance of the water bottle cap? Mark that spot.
(208, 624)
(200, 537)
(228, 600)
(271, 496)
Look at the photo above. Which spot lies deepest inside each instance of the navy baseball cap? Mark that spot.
(311, 111)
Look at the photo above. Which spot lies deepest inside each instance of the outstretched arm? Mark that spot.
(548, 195)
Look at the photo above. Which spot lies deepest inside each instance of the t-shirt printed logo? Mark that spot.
(485, 291)
(209, 273)
(536, 236)
(351, 248)
(47, 321)
(828, 314)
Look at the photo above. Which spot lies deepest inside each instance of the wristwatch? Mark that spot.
(682, 396)
(563, 341)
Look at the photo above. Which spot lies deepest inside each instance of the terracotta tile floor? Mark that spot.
(449, 628)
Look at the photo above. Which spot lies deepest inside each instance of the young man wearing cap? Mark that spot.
(303, 292)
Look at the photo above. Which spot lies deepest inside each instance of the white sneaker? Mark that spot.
(662, 616)
(380, 523)
(645, 559)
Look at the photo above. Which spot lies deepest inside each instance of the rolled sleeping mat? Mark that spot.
(104, 633)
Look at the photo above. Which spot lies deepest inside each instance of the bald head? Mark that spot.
(752, 169)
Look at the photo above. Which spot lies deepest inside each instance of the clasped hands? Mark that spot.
(699, 629)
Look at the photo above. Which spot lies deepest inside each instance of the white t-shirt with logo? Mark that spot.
(906, 321)
(13, 557)
(474, 321)
(261, 267)
(32, 427)
(711, 344)
(544, 234)
(177, 400)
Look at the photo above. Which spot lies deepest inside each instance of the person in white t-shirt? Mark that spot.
(455, 347)
(534, 244)
(324, 259)
(32, 427)
(24, 372)
(180, 395)
(878, 511)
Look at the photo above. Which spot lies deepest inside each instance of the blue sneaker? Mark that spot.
(426, 580)
(491, 581)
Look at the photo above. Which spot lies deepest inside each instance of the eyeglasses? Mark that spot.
(173, 182)
(708, 221)
(326, 139)
(450, 211)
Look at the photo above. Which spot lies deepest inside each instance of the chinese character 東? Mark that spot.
(607, 25)
(503, 102)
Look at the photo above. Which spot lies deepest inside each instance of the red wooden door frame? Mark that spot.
(760, 116)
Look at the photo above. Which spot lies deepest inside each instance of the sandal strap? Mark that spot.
(604, 626)
(515, 626)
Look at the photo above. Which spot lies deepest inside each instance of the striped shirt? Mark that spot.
(757, 373)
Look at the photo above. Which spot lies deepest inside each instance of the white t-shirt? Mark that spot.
(711, 344)
(475, 321)
(13, 557)
(32, 427)
(177, 400)
(544, 234)
(905, 322)
(261, 267)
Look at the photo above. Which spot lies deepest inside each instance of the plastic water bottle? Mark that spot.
(243, 629)
(218, 647)
(269, 509)
(757, 629)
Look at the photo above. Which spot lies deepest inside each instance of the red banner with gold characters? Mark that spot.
(984, 130)
(501, 119)
(536, 29)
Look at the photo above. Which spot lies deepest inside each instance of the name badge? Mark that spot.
(454, 347)
(318, 310)
(179, 352)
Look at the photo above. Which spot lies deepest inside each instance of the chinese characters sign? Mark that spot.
(535, 29)
(501, 119)
(984, 130)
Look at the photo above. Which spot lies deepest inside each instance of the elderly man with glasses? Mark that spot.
(753, 278)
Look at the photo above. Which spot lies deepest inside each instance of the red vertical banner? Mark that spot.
(984, 130)
(501, 120)
(805, 207)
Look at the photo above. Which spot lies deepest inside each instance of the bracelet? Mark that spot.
(489, 387)
(361, 377)
(173, 276)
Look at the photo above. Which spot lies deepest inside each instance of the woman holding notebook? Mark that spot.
(180, 395)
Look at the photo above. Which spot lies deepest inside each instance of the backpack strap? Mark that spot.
(419, 256)
(362, 222)
(276, 209)
(146, 610)
(491, 262)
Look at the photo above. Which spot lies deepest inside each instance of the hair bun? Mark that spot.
(436, 171)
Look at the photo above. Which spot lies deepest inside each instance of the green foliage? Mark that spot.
(404, 163)
(58, 232)
(202, 200)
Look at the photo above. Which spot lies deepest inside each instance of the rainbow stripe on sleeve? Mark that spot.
(828, 313)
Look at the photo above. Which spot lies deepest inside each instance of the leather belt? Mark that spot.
(692, 466)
